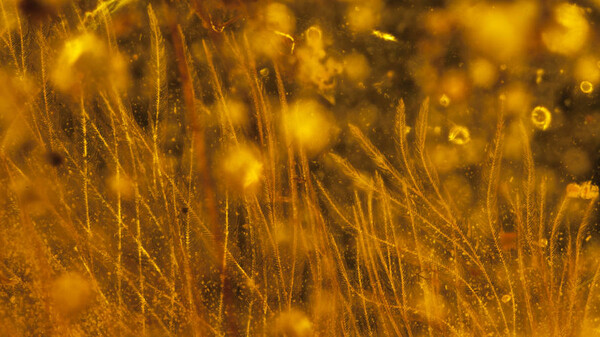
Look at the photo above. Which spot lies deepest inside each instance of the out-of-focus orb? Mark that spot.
(483, 73)
(445, 158)
(454, 84)
(363, 17)
(308, 126)
(518, 98)
(356, 67)
(569, 33)
(294, 324)
(500, 31)
(71, 293)
(280, 18)
(576, 161)
(87, 61)
(243, 168)
(586, 69)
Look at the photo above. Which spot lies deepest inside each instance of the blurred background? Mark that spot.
(238, 167)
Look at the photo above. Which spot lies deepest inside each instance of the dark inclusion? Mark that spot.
(55, 159)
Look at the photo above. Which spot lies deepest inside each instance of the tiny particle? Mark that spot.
(539, 76)
(459, 135)
(541, 117)
(586, 87)
(184, 210)
(444, 101)
(384, 36)
(506, 298)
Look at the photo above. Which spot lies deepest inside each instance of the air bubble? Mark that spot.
(586, 87)
(459, 135)
(314, 35)
(541, 117)
(506, 298)
(444, 100)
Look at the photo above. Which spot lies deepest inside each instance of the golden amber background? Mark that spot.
(299, 168)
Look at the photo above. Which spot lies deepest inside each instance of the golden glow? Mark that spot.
(518, 98)
(86, 59)
(483, 73)
(500, 31)
(308, 126)
(586, 191)
(299, 168)
(356, 67)
(362, 18)
(243, 168)
(71, 294)
(280, 18)
(586, 69)
(570, 31)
